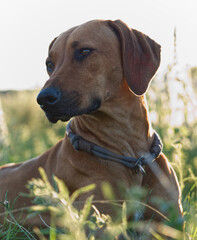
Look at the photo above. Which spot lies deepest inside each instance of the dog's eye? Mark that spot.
(81, 54)
(50, 66)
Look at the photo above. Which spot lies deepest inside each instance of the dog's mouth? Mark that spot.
(66, 113)
(54, 119)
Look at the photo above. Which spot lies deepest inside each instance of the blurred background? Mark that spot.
(28, 27)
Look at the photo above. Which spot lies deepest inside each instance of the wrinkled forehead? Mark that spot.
(86, 35)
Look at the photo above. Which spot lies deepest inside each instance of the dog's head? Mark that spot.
(88, 64)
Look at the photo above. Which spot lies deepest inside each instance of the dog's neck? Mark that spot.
(121, 125)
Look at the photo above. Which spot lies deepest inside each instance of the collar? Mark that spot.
(81, 144)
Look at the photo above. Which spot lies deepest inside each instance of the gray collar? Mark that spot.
(80, 144)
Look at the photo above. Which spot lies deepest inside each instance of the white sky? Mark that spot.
(28, 26)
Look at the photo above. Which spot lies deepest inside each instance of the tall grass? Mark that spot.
(27, 133)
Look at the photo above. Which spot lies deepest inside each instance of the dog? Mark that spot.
(99, 73)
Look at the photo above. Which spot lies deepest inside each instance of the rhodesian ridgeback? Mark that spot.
(98, 75)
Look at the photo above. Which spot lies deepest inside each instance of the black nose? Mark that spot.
(48, 97)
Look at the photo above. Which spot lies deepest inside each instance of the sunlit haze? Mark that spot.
(27, 28)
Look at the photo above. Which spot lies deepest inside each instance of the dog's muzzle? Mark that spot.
(61, 105)
(49, 100)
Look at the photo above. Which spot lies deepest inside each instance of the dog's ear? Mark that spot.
(140, 56)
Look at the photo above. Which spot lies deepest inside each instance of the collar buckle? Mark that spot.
(138, 166)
